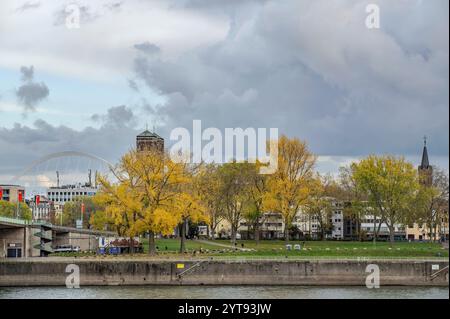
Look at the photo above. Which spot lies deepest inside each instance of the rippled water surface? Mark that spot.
(224, 292)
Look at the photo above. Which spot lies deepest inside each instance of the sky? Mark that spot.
(312, 69)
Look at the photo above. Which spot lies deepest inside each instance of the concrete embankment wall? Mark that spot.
(141, 272)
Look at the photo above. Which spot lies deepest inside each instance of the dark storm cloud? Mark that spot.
(133, 85)
(312, 69)
(214, 4)
(147, 48)
(28, 5)
(113, 138)
(95, 117)
(27, 73)
(30, 93)
(114, 6)
(119, 116)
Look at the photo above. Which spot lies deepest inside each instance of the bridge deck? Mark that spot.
(17, 222)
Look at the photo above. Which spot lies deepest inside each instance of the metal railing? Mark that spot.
(325, 258)
(436, 274)
(197, 264)
(17, 221)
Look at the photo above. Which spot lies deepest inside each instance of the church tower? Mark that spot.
(425, 169)
(148, 141)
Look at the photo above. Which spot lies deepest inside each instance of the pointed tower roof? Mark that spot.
(425, 162)
(147, 133)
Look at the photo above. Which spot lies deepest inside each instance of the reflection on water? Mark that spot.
(224, 292)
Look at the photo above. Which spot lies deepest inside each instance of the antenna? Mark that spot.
(57, 179)
(90, 177)
(154, 126)
(425, 140)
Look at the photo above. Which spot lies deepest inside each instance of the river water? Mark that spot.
(224, 292)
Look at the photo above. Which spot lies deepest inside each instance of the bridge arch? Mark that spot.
(43, 159)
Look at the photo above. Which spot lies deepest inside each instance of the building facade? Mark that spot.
(12, 193)
(270, 225)
(149, 141)
(371, 225)
(307, 225)
(42, 209)
(337, 220)
(416, 231)
(310, 226)
(67, 193)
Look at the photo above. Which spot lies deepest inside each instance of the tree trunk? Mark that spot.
(322, 231)
(358, 229)
(183, 236)
(430, 232)
(374, 239)
(391, 235)
(131, 245)
(233, 236)
(257, 233)
(286, 234)
(212, 233)
(309, 228)
(151, 243)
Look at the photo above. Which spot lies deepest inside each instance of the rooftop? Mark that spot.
(11, 185)
(425, 161)
(149, 134)
(76, 186)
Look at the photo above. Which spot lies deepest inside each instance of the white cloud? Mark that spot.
(101, 48)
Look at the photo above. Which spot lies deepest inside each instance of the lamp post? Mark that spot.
(82, 213)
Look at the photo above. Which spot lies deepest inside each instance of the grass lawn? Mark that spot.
(173, 245)
(346, 249)
(276, 248)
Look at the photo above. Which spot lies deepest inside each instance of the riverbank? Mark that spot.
(121, 271)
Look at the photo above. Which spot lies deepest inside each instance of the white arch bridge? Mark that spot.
(68, 167)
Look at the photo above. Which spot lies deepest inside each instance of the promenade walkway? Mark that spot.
(211, 242)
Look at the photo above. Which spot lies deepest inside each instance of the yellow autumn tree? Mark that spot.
(148, 195)
(290, 186)
(119, 209)
(391, 184)
(208, 184)
(189, 204)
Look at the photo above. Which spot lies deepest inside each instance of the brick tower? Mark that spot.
(147, 141)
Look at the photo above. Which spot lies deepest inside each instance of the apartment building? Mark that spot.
(12, 193)
(67, 193)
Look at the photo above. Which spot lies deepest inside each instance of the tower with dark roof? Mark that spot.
(149, 141)
(425, 169)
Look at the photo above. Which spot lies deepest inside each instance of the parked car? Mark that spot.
(66, 249)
